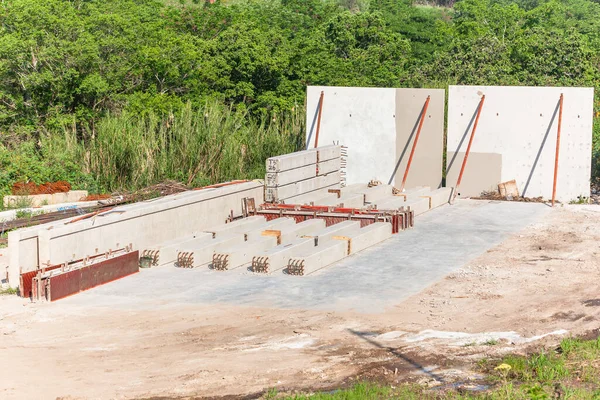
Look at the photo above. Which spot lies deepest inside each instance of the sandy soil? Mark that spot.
(534, 288)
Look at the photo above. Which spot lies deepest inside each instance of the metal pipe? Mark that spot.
(319, 119)
(560, 110)
(412, 151)
(464, 163)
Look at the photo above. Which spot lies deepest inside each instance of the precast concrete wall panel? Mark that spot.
(427, 164)
(378, 127)
(363, 120)
(519, 124)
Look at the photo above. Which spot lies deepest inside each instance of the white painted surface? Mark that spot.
(361, 119)
(514, 122)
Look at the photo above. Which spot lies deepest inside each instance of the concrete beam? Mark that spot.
(339, 229)
(303, 228)
(419, 206)
(276, 179)
(415, 192)
(317, 258)
(198, 254)
(328, 166)
(236, 256)
(439, 197)
(241, 225)
(290, 161)
(142, 224)
(367, 236)
(375, 193)
(312, 197)
(276, 258)
(329, 152)
(302, 187)
(166, 253)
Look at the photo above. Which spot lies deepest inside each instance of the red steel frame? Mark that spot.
(65, 284)
(412, 151)
(560, 111)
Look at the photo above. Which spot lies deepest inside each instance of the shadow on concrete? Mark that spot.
(396, 353)
(462, 140)
(412, 134)
(312, 125)
(537, 157)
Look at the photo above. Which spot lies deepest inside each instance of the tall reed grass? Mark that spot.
(196, 146)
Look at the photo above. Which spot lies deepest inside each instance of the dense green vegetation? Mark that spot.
(570, 372)
(111, 94)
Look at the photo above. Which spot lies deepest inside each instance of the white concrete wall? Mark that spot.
(361, 119)
(378, 127)
(514, 122)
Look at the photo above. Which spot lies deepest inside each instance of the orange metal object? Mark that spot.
(90, 215)
(412, 151)
(464, 163)
(319, 119)
(560, 110)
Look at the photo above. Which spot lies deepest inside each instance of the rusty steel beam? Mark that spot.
(55, 285)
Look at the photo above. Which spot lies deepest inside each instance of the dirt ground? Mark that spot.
(536, 287)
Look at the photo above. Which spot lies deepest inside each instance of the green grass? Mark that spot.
(8, 291)
(196, 146)
(572, 371)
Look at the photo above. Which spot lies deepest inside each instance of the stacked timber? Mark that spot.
(292, 177)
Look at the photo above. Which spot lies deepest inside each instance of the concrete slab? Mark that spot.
(382, 276)
(317, 258)
(235, 256)
(276, 258)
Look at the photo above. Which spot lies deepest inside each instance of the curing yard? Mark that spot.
(471, 281)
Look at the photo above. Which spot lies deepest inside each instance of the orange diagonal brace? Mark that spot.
(464, 163)
(319, 119)
(412, 151)
(560, 110)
